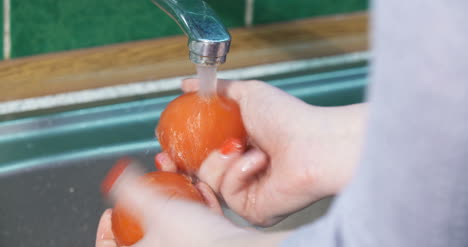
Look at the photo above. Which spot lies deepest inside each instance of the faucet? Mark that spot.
(208, 39)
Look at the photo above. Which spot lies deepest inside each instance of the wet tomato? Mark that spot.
(127, 230)
(193, 126)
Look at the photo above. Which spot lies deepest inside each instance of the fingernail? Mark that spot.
(159, 159)
(231, 145)
(114, 174)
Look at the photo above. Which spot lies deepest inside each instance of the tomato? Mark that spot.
(127, 230)
(193, 126)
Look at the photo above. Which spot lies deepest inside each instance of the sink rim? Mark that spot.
(27, 143)
(73, 100)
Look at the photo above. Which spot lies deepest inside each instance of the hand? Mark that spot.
(105, 236)
(174, 222)
(300, 153)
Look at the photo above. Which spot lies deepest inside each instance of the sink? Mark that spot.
(51, 165)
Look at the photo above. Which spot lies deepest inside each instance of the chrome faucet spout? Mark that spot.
(208, 39)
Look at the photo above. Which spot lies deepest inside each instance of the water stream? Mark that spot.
(208, 80)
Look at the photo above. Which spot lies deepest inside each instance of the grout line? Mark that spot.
(6, 30)
(249, 13)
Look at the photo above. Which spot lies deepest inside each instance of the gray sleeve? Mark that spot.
(411, 185)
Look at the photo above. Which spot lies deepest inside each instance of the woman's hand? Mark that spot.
(300, 153)
(104, 235)
(174, 222)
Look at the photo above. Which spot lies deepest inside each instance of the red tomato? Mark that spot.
(127, 230)
(192, 126)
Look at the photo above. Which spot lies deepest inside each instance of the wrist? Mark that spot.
(336, 135)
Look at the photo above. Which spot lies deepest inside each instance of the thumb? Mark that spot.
(104, 235)
(243, 171)
(214, 167)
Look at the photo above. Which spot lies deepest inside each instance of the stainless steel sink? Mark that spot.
(51, 165)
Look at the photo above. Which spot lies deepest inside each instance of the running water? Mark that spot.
(208, 80)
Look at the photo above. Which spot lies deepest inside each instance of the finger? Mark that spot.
(256, 92)
(164, 163)
(144, 242)
(241, 173)
(216, 164)
(190, 85)
(106, 243)
(104, 235)
(163, 218)
(132, 194)
(113, 174)
(210, 198)
(233, 89)
(148, 203)
(213, 169)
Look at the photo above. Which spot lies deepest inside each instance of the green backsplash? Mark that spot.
(57, 25)
(1, 39)
(268, 11)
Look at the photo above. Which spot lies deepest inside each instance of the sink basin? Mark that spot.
(51, 165)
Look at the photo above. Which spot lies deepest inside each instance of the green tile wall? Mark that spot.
(231, 12)
(267, 11)
(56, 25)
(1, 38)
